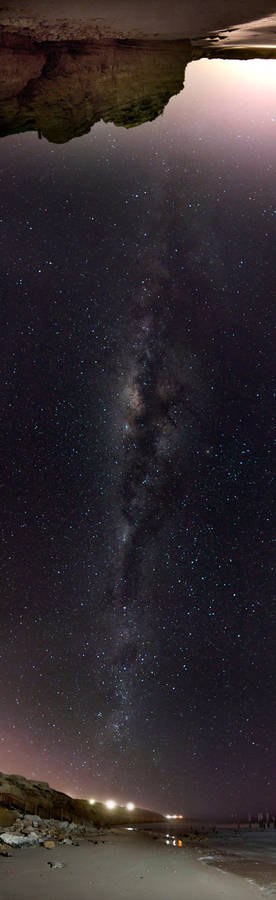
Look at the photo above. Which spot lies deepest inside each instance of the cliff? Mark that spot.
(39, 799)
(61, 89)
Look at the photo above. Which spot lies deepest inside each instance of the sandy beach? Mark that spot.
(119, 865)
(150, 19)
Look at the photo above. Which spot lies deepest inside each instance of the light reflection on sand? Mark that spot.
(250, 854)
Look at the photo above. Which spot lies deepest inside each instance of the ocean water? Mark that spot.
(250, 853)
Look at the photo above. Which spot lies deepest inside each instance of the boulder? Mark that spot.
(19, 840)
(34, 820)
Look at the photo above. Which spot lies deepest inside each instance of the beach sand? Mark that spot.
(146, 19)
(121, 866)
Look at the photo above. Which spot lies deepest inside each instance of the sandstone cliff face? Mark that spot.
(17, 69)
(34, 797)
(61, 90)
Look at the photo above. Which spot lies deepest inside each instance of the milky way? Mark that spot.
(157, 413)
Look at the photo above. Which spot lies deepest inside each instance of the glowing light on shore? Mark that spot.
(130, 806)
(110, 804)
(92, 801)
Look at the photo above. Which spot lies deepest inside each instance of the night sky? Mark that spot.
(137, 613)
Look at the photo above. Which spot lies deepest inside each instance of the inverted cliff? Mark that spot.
(61, 89)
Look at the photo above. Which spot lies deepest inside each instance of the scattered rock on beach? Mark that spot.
(56, 865)
(30, 830)
(4, 851)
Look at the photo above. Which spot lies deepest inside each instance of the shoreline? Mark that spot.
(249, 853)
(128, 20)
(120, 865)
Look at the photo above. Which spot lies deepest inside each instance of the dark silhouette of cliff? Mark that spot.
(38, 798)
(61, 89)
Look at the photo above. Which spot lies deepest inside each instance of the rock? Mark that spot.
(34, 820)
(8, 817)
(19, 840)
(37, 798)
(3, 848)
(26, 66)
(49, 845)
(56, 865)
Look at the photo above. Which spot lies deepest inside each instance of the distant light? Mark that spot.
(129, 829)
(110, 804)
(130, 806)
(168, 816)
(167, 842)
(92, 801)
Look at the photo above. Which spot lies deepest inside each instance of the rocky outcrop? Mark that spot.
(61, 90)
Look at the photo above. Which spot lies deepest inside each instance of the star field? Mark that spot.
(137, 651)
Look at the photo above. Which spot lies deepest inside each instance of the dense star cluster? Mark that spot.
(137, 610)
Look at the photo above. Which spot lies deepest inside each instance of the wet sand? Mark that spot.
(263, 874)
(251, 854)
(124, 866)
